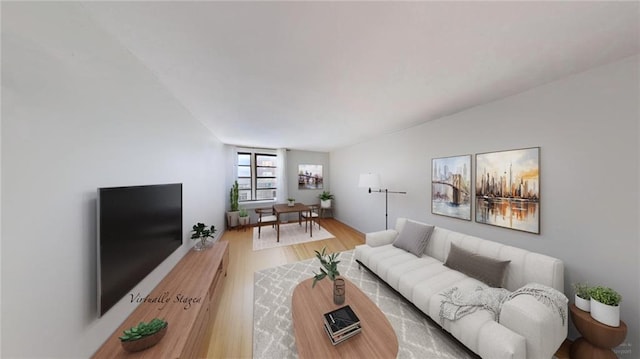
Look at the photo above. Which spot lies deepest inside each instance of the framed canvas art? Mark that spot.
(451, 186)
(508, 189)
(310, 177)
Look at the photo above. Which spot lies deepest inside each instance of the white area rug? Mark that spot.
(273, 329)
(290, 233)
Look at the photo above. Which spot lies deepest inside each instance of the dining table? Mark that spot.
(286, 208)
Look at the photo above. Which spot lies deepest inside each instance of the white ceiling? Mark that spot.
(322, 75)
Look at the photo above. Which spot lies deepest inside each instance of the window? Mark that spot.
(256, 176)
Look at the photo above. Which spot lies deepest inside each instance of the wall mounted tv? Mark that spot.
(138, 228)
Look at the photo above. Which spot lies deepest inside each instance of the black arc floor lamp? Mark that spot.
(372, 180)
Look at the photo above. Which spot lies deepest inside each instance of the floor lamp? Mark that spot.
(369, 180)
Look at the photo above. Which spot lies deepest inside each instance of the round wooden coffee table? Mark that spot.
(377, 339)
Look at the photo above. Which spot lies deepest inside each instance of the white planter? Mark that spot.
(325, 203)
(605, 314)
(583, 304)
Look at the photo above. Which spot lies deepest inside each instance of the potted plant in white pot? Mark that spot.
(605, 305)
(582, 296)
(243, 218)
(291, 202)
(325, 199)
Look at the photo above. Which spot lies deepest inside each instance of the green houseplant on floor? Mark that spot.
(233, 214)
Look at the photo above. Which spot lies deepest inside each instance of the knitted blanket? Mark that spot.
(458, 304)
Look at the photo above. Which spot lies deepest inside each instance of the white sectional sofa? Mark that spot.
(527, 328)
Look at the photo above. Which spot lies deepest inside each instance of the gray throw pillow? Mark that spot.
(414, 237)
(486, 269)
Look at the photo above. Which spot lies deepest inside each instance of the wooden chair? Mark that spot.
(312, 215)
(266, 216)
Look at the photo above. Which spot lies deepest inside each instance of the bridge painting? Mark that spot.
(310, 177)
(451, 186)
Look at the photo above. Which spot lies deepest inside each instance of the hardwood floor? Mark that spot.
(233, 325)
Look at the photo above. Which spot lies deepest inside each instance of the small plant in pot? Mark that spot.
(243, 217)
(291, 202)
(143, 335)
(325, 199)
(605, 305)
(203, 233)
(329, 269)
(582, 296)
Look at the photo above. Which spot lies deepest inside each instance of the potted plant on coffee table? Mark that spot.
(605, 305)
(203, 233)
(291, 202)
(329, 270)
(143, 335)
(582, 296)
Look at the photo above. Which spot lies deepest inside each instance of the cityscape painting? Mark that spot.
(451, 186)
(310, 177)
(508, 189)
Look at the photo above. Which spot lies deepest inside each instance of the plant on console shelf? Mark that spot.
(329, 266)
(201, 232)
(143, 330)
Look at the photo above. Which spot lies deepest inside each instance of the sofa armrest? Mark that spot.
(542, 327)
(381, 238)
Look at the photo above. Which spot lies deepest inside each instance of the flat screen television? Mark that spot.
(138, 228)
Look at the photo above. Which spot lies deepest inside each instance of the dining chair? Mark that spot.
(313, 215)
(266, 216)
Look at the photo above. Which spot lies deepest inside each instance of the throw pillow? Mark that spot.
(414, 237)
(486, 269)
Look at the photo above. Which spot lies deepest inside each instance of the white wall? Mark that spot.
(79, 112)
(587, 128)
(298, 157)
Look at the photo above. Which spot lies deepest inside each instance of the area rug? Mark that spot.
(290, 233)
(273, 329)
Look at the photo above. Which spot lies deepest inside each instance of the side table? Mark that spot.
(597, 339)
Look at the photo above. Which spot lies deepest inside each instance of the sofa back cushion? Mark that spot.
(525, 266)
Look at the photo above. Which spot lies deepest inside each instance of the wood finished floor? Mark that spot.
(233, 325)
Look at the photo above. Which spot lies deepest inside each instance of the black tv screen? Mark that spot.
(138, 228)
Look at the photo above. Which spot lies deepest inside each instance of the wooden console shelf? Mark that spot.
(186, 298)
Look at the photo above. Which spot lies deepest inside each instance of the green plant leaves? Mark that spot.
(329, 266)
(143, 329)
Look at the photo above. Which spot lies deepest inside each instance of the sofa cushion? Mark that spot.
(488, 270)
(414, 237)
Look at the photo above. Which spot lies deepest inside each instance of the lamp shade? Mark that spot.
(369, 180)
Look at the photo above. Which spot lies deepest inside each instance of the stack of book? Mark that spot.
(341, 324)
